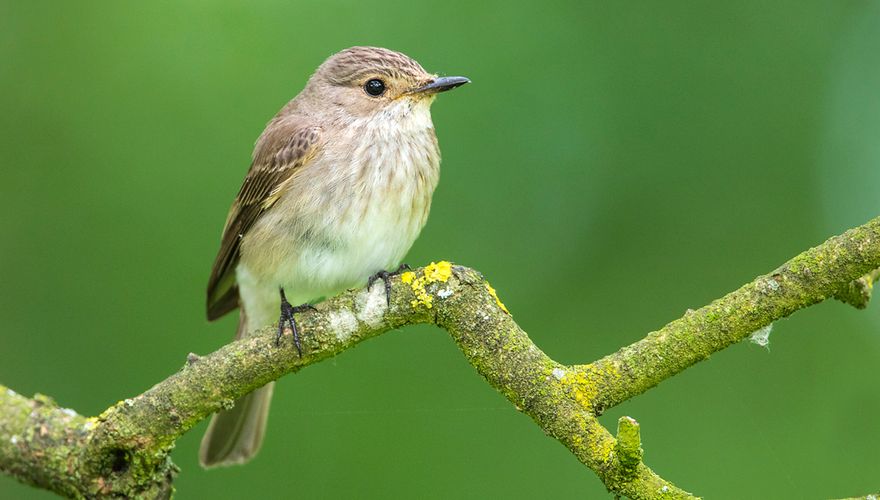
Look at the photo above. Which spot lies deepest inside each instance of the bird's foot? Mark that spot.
(385, 276)
(287, 319)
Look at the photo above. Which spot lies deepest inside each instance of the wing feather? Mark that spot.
(279, 153)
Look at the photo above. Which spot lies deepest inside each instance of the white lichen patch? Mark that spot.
(445, 293)
(768, 286)
(68, 412)
(558, 373)
(762, 336)
(371, 306)
(13, 439)
(129, 402)
(343, 323)
(10, 393)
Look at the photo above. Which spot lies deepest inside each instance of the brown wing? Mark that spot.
(280, 151)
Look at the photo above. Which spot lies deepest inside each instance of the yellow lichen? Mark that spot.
(578, 385)
(606, 449)
(433, 273)
(441, 271)
(422, 296)
(495, 296)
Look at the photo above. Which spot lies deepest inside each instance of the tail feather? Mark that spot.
(234, 436)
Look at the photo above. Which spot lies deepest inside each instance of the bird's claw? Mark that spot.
(287, 319)
(385, 276)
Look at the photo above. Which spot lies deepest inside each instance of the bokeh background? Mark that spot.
(612, 164)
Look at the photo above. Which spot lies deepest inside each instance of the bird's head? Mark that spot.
(362, 82)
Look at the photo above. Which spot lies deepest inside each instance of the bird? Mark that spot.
(339, 188)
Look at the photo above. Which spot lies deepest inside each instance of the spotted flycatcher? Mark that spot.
(339, 187)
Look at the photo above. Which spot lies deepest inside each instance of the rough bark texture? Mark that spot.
(125, 450)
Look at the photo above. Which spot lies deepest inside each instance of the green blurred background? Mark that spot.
(613, 164)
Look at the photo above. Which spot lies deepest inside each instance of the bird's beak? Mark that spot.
(441, 84)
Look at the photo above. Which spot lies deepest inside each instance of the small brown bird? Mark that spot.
(338, 190)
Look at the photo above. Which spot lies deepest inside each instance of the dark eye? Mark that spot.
(374, 87)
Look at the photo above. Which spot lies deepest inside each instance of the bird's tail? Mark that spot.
(234, 436)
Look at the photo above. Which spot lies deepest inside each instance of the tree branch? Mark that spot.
(805, 280)
(125, 450)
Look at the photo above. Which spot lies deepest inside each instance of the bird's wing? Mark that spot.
(278, 155)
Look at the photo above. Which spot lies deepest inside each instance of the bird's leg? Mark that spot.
(386, 278)
(287, 312)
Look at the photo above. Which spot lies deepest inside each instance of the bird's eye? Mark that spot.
(374, 87)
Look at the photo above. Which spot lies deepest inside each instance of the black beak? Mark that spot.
(441, 84)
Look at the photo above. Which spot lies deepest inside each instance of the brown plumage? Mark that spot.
(339, 187)
(285, 150)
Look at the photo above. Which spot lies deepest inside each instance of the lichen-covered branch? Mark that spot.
(807, 279)
(125, 450)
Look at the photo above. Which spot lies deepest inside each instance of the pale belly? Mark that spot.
(323, 260)
(345, 253)
(314, 244)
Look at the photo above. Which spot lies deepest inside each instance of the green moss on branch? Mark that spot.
(807, 279)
